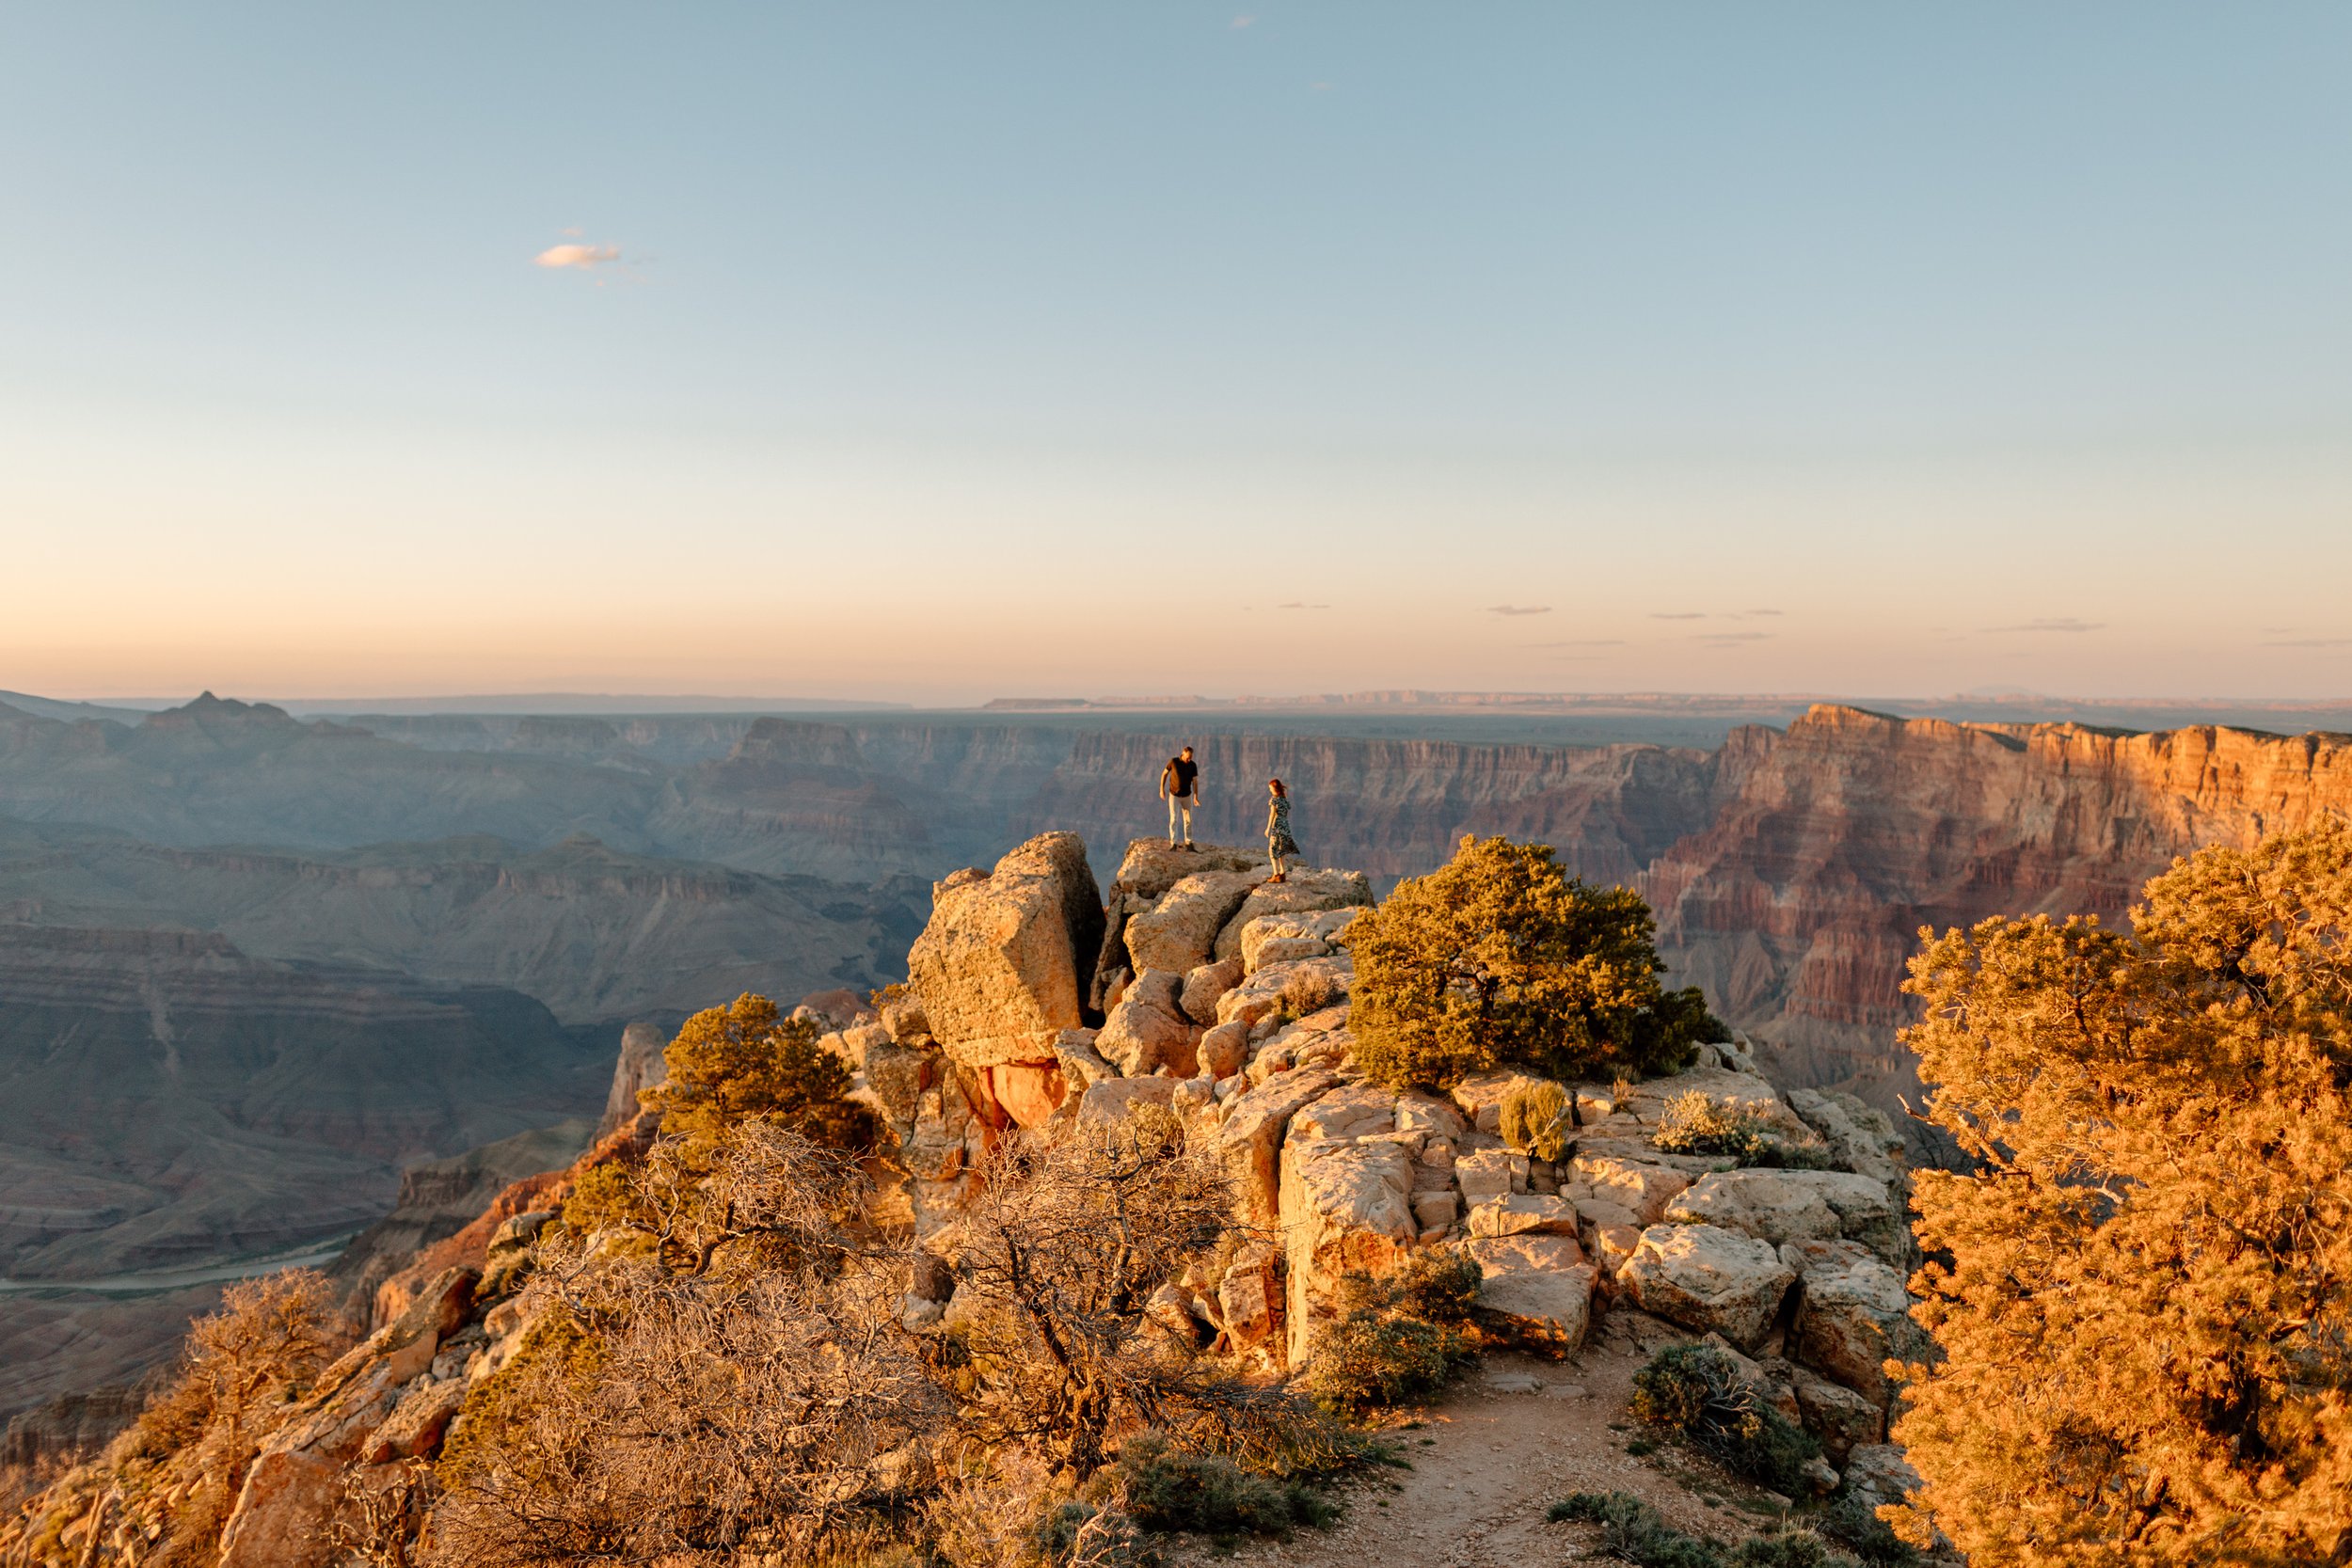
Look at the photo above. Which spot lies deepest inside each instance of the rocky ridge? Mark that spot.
(1029, 1007)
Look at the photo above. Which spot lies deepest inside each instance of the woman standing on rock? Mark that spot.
(1279, 846)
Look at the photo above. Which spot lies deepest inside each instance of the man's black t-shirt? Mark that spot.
(1180, 776)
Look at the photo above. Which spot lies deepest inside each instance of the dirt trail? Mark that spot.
(1515, 1436)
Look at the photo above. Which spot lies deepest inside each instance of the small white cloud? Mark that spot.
(577, 255)
(2053, 622)
(1240, 21)
(1518, 609)
(1678, 615)
(1300, 604)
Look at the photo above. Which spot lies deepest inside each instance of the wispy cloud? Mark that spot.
(1678, 615)
(1720, 639)
(1518, 609)
(1240, 21)
(2311, 642)
(1582, 642)
(576, 254)
(1760, 612)
(1300, 604)
(2053, 622)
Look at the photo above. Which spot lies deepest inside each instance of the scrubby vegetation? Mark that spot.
(1400, 1338)
(1696, 1391)
(2142, 1296)
(719, 1367)
(1692, 1123)
(1634, 1530)
(1500, 959)
(184, 1460)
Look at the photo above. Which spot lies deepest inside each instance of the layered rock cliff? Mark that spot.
(1797, 906)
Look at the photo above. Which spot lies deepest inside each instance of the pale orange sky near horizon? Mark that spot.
(1069, 352)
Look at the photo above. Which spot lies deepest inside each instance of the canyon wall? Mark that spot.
(1798, 904)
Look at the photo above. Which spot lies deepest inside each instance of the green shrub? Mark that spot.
(1695, 1390)
(1794, 1548)
(1399, 1338)
(1854, 1519)
(1537, 1118)
(747, 1061)
(1169, 1489)
(1634, 1530)
(1437, 1285)
(1500, 959)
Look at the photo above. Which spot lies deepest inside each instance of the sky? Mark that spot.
(941, 351)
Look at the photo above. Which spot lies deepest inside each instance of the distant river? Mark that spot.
(316, 1255)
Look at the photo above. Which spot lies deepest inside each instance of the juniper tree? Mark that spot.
(2144, 1302)
(1499, 957)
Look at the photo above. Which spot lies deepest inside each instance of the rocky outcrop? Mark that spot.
(1002, 966)
(1798, 1206)
(1710, 1280)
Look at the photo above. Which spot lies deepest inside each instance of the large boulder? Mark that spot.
(1709, 1279)
(1001, 967)
(1779, 1206)
(1179, 931)
(1205, 985)
(1148, 1031)
(1854, 1317)
(1346, 1205)
(1249, 1143)
(1304, 892)
(1537, 1293)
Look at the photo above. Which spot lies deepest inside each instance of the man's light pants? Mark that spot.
(1179, 806)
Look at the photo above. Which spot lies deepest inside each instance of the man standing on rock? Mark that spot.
(1179, 787)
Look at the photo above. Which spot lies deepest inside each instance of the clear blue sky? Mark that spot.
(958, 350)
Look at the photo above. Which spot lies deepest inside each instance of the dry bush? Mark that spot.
(743, 1385)
(1061, 1253)
(182, 1464)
